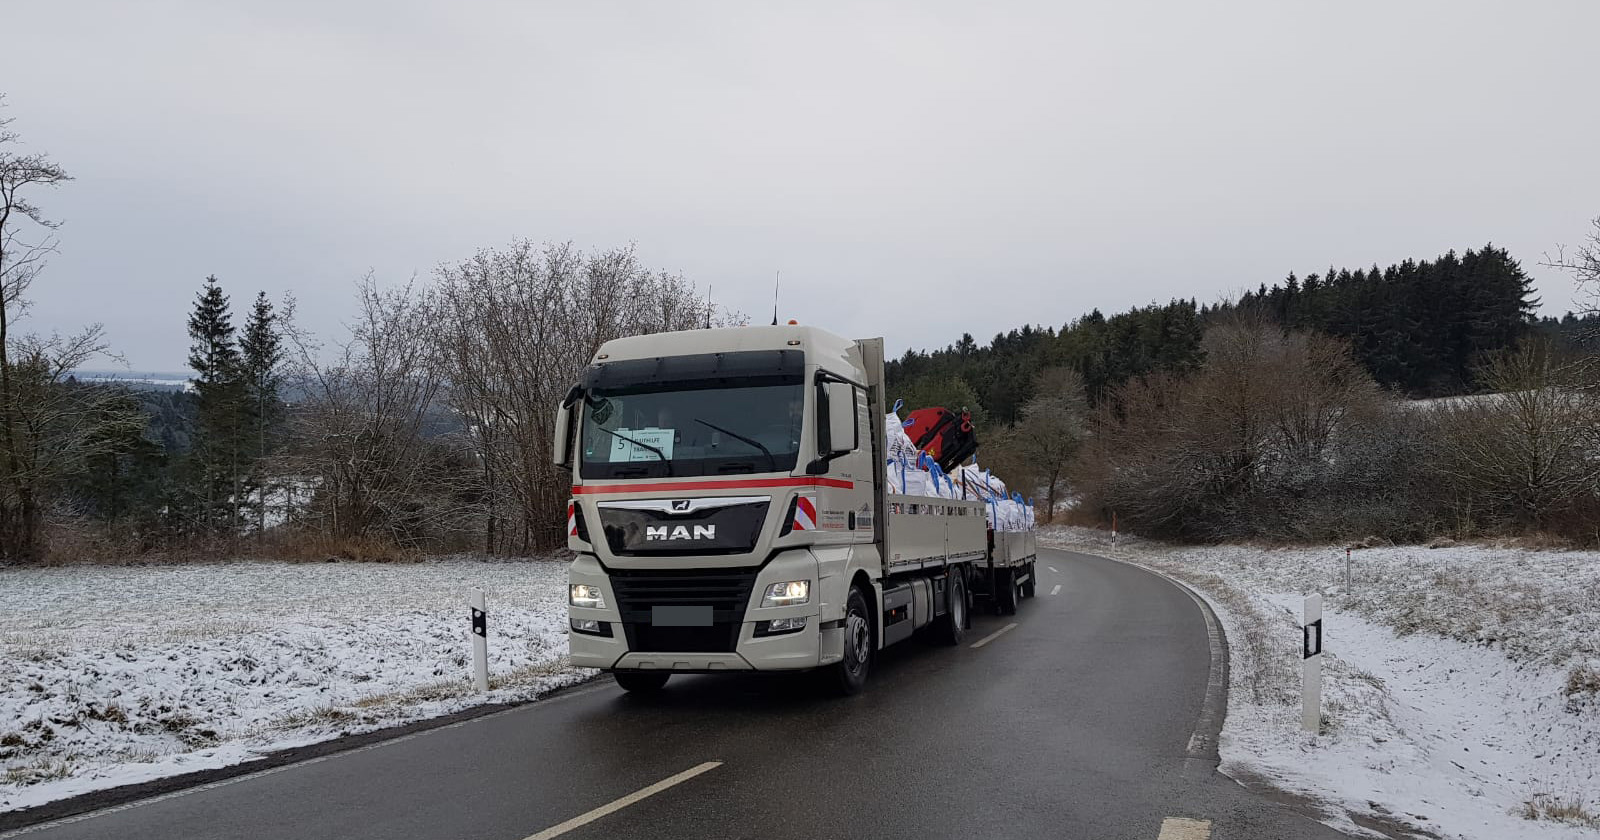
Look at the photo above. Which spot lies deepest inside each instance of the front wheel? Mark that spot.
(641, 682)
(851, 672)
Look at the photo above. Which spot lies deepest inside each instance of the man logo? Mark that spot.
(680, 532)
(680, 505)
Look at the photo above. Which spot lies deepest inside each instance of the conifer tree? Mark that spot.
(261, 358)
(216, 458)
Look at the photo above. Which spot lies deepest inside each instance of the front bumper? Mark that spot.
(797, 650)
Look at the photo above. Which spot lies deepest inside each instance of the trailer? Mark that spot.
(1007, 575)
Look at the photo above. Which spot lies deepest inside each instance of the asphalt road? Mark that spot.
(1075, 723)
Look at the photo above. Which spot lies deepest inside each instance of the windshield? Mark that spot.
(714, 430)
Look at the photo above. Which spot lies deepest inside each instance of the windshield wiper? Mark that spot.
(772, 462)
(658, 453)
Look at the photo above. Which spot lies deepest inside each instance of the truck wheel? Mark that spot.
(1008, 592)
(851, 672)
(953, 626)
(641, 682)
(1033, 583)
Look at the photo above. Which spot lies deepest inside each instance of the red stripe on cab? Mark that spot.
(720, 484)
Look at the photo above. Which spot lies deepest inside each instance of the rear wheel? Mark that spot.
(641, 682)
(1007, 591)
(1032, 584)
(953, 626)
(851, 672)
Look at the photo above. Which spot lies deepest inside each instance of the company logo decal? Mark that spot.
(679, 532)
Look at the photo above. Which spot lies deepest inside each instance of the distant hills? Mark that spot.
(137, 380)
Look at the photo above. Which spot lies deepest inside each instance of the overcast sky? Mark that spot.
(915, 170)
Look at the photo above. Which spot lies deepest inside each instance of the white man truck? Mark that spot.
(730, 511)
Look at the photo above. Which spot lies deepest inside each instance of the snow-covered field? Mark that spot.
(112, 675)
(1460, 684)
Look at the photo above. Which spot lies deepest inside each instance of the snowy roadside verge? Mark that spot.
(116, 675)
(1457, 691)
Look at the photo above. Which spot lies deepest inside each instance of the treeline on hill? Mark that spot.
(1281, 415)
(426, 429)
(1419, 328)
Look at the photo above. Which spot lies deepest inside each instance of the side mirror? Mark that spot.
(837, 424)
(559, 454)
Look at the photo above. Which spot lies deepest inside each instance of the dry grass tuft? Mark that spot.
(1561, 809)
(109, 713)
(44, 770)
(323, 715)
(1583, 686)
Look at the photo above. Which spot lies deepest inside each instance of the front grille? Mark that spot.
(726, 529)
(639, 592)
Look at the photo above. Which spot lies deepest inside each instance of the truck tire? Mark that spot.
(641, 682)
(850, 674)
(1007, 592)
(1033, 583)
(953, 624)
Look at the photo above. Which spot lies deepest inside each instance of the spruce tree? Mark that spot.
(261, 352)
(215, 459)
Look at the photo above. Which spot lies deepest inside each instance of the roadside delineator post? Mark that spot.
(1113, 529)
(1311, 666)
(1348, 587)
(480, 641)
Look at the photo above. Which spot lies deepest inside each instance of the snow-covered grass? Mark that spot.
(1460, 683)
(112, 675)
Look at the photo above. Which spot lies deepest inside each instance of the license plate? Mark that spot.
(680, 616)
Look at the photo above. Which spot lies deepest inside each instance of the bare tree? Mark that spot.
(1265, 440)
(363, 433)
(59, 428)
(518, 325)
(1051, 430)
(1583, 263)
(26, 240)
(1525, 452)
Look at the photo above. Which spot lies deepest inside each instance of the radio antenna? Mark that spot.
(775, 278)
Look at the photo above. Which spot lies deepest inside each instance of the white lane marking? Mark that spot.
(1056, 590)
(1177, 828)
(995, 635)
(1056, 570)
(613, 807)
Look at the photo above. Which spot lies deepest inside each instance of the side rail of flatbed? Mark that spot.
(924, 532)
(1014, 548)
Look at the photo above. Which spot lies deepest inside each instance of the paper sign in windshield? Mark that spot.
(624, 450)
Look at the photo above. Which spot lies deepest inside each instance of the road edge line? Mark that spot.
(1204, 738)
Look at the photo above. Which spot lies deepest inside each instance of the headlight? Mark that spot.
(787, 594)
(586, 595)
